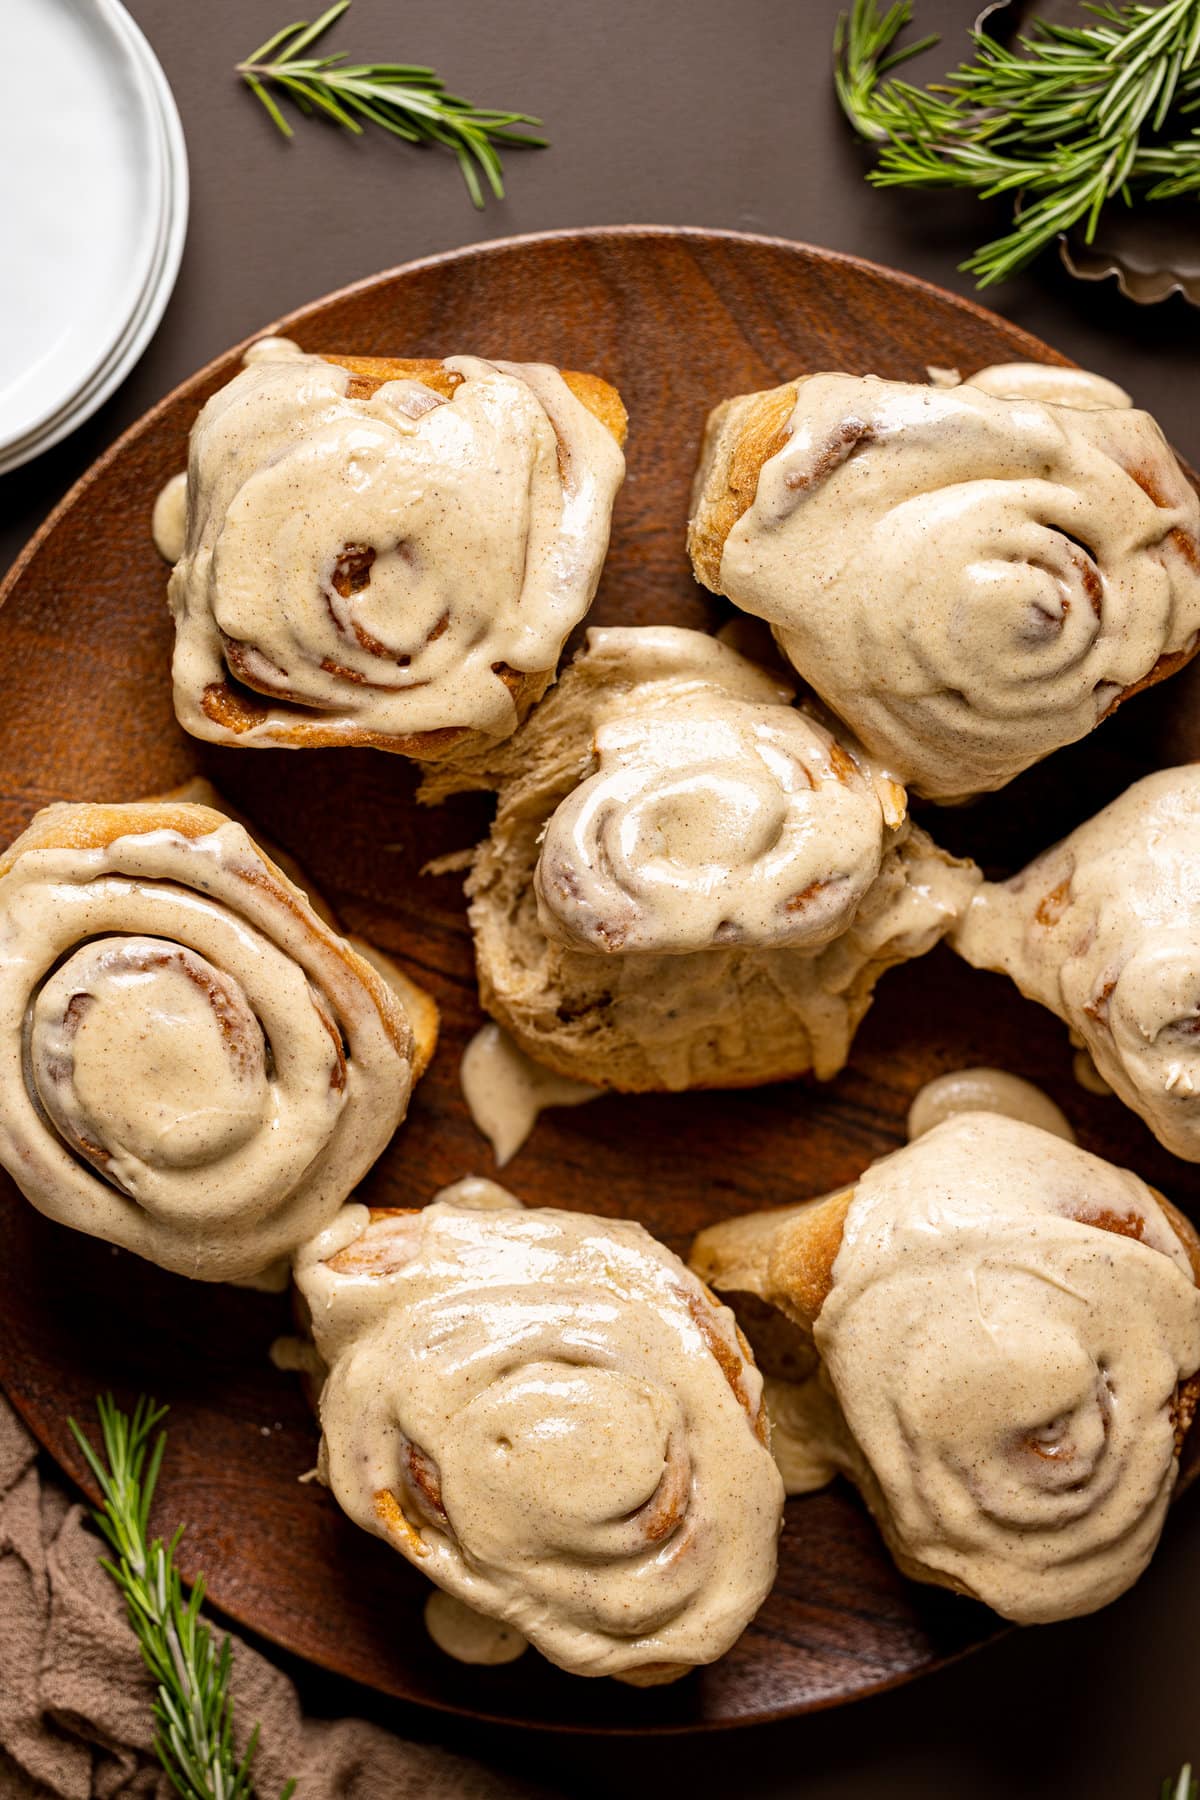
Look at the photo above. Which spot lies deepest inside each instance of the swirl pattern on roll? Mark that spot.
(711, 819)
(970, 576)
(371, 559)
(1009, 1323)
(689, 882)
(553, 1420)
(1104, 929)
(193, 1065)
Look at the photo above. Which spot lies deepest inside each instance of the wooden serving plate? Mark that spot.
(677, 319)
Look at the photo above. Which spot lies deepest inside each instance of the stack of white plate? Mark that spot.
(93, 213)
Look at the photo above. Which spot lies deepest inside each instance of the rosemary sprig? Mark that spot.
(193, 1711)
(1067, 119)
(403, 98)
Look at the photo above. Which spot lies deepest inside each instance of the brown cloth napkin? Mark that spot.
(75, 1719)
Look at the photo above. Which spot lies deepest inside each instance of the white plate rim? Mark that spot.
(152, 302)
(108, 18)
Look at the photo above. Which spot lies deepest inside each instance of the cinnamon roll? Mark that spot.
(548, 1415)
(996, 1336)
(193, 1064)
(970, 576)
(690, 882)
(1104, 929)
(387, 552)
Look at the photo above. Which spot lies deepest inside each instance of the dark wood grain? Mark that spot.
(676, 320)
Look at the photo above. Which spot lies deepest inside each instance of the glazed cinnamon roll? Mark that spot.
(690, 882)
(549, 1416)
(1104, 929)
(996, 1336)
(970, 576)
(193, 1064)
(388, 553)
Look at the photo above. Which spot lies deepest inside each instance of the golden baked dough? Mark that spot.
(996, 1336)
(388, 552)
(971, 575)
(689, 882)
(194, 1065)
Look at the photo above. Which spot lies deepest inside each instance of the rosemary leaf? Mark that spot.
(193, 1711)
(1068, 119)
(405, 99)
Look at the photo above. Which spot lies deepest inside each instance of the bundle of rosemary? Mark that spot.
(1067, 119)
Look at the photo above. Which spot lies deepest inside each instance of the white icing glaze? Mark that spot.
(984, 1090)
(1051, 385)
(505, 1090)
(1006, 1368)
(168, 522)
(715, 816)
(374, 561)
(682, 1017)
(970, 576)
(469, 1636)
(478, 1192)
(1088, 1076)
(296, 1356)
(1102, 929)
(271, 349)
(806, 1439)
(529, 1406)
(192, 1065)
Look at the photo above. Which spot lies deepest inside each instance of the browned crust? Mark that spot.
(373, 1253)
(799, 1266)
(730, 482)
(1184, 1230)
(420, 1006)
(1167, 665)
(732, 1363)
(801, 1261)
(238, 709)
(397, 1525)
(787, 1264)
(1187, 1394)
(369, 373)
(89, 825)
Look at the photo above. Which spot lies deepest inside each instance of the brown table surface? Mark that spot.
(706, 113)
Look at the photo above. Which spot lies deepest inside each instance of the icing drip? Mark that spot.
(469, 1636)
(984, 1090)
(168, 523)
(505, 1090)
